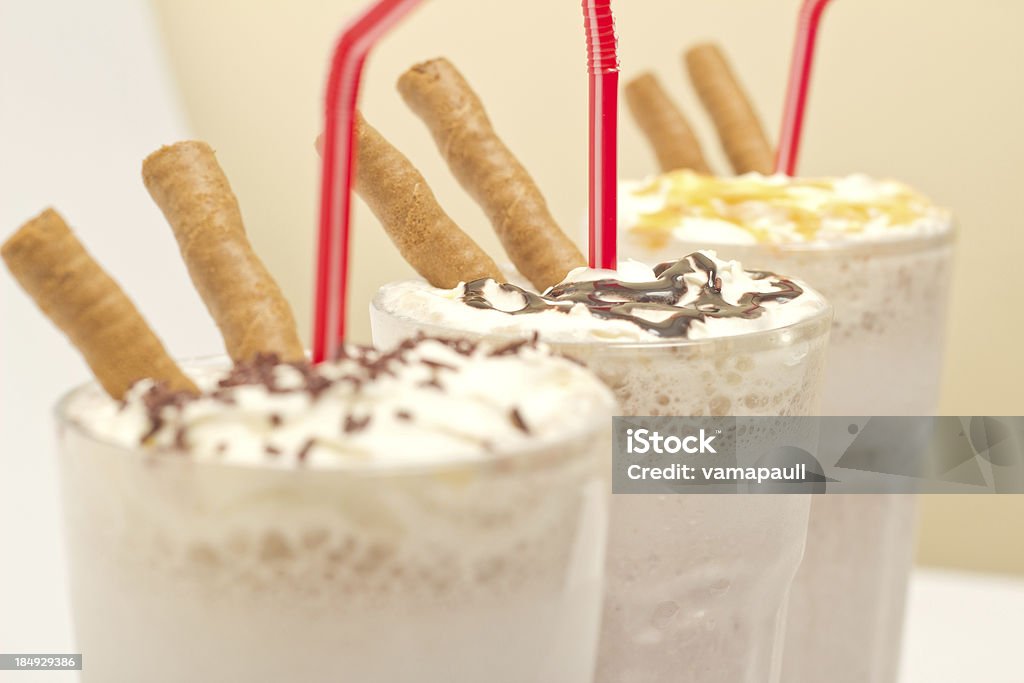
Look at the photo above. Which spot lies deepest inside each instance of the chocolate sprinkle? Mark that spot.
(356, 424)
(517, 419)
(437, 364)
(368, 364)
(155, 400)
(304, 451)
(259, 370)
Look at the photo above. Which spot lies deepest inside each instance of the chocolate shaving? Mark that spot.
(367, 365)
(466, 347)
(356, 424)
(259, 370)
(155, 400)
(517, 419)
(304, 451)
(438, 365)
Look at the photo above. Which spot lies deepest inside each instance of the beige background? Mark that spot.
(924, 90)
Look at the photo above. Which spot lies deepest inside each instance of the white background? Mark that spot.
(84, 96)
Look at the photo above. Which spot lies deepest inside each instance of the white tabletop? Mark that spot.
(961, 628)
(964, 628)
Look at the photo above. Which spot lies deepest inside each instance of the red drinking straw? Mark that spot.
(603, 67)
(799, 82)
(336, 170)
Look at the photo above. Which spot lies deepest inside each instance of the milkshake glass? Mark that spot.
(696, 585)
(882, 254)
(405, 563)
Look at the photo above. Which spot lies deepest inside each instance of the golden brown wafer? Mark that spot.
(87, 305)
(492, 175)
(400, 198)
(664, 125)
(189, 186)
(738, 125)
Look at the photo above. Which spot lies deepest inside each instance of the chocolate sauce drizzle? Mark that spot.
(616, 300)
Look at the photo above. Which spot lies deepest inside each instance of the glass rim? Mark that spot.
(818, 323)
(533, 451)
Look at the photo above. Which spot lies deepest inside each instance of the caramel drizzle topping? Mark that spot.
(804, 203)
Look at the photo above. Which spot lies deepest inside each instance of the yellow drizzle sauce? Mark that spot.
(802, 203)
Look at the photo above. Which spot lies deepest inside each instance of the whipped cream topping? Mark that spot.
(689, 207)
(697, 297)
(426, 401)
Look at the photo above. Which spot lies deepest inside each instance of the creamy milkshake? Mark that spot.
(882, 253)
(437, 512)
(434, 513)
(696, 585)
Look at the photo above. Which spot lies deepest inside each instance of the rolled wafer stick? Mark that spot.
(401, 199)
(73, 291)
(190, 188)
(492, 175)
(664, 125)
(738, 125)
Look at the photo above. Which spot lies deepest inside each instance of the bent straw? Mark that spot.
(336, 170)
(603, 67)
(799, 83)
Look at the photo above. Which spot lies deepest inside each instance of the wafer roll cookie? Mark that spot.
(190, 188)
(402, 201)
(664, 125)
(738, 125)
(489, 172)
(73, 291)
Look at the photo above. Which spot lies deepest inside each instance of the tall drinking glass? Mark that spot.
(890, 291)
(485, 567)
(696, 584)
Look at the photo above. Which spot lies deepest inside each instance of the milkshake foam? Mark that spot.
(695, 297)
(361, 410)
(678, 209)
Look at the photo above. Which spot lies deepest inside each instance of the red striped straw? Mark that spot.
(603, 67)
(336, 170)
(799, 83)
